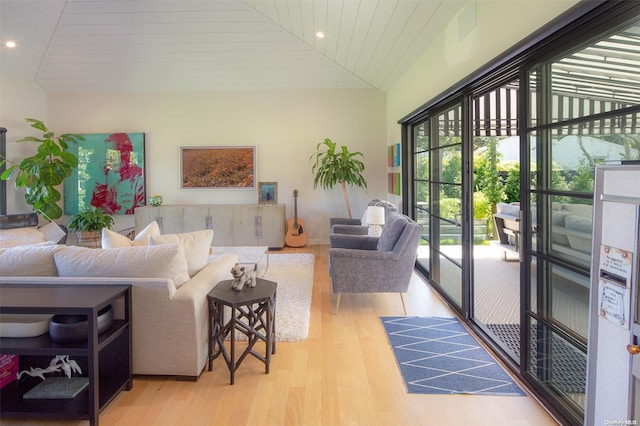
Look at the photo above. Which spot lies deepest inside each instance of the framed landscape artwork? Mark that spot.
(110, 174)
(218, 167)
(268, 193)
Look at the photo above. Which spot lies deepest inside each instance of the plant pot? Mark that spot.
(155, 200)
(90, 239)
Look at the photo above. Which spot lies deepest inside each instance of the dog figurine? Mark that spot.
(242, 278)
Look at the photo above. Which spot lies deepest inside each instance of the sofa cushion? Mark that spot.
(558, 220)
(510, 209)
(32, 260)
(583, 210)
(52, 232)
(581, 224)
(112, 239)
(392, 231)
(197, 247)
(162, 261)
(20, 236)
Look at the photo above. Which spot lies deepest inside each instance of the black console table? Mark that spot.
(105, 359)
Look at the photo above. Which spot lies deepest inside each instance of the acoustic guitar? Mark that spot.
(295, 237)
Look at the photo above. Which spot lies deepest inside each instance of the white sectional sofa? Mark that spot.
(570, 231)
(169, 305)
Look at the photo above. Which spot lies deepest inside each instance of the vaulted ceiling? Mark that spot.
(154, 45)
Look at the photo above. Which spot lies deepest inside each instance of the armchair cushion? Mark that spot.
(350, 229)
(361, 242)
(343, 221)
(392, 230)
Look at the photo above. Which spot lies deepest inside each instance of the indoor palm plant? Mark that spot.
(332, 166)
(88, 225)
(42, 172)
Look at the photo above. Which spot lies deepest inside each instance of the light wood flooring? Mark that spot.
(344, 374)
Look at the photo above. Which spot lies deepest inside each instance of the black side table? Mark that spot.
(253, 313)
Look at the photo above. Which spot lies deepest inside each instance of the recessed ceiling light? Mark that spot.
(320, 34)
(10, 44)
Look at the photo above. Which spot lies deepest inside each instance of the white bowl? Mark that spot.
(24, 325)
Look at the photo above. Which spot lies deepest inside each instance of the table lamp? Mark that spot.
(375, 220)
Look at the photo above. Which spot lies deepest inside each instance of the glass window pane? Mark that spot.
(449, 205)
(422, 193)
(422, 217)
(421, 137)
(451, 273)
(571, 229)
(422, 165)
(451, 164)
(558, 364)
(450, 127)
(570, 299)
(599, 78)
(423, 255)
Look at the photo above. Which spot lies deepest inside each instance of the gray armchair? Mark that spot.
(363, 264)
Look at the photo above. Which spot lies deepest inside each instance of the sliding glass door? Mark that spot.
(438, 199)
(498, 244)
(503, 180)
(584, 111)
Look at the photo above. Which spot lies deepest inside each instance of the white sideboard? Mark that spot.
(233, 224)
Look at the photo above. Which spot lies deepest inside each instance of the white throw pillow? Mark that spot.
(112, 239)
(165, 261)
(197, 246)
(20, 236)
(52, 232)
(34, 260)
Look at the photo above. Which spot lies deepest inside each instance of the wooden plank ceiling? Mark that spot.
(153, 45)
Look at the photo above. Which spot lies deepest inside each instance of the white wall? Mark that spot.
(285, 126)
(19, 99)
(482, 31)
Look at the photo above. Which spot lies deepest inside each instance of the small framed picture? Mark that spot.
(268, 193)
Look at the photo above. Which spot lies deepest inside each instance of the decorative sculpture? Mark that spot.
(58, 363)
(58, 386)
(242, 278)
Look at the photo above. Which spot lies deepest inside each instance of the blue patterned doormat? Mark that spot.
(438, 356)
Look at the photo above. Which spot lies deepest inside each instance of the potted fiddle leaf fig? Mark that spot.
(88, 225)
(44, 171)
(334, 166)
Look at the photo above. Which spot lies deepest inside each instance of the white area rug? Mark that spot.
(294, 275)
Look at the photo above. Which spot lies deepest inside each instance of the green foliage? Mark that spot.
(452, 168)
(481, 206)
(584, 178)
(332, 166)
(42, 172)
(90, 219)
(512, 183)
(450, 208)
(486, 174)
